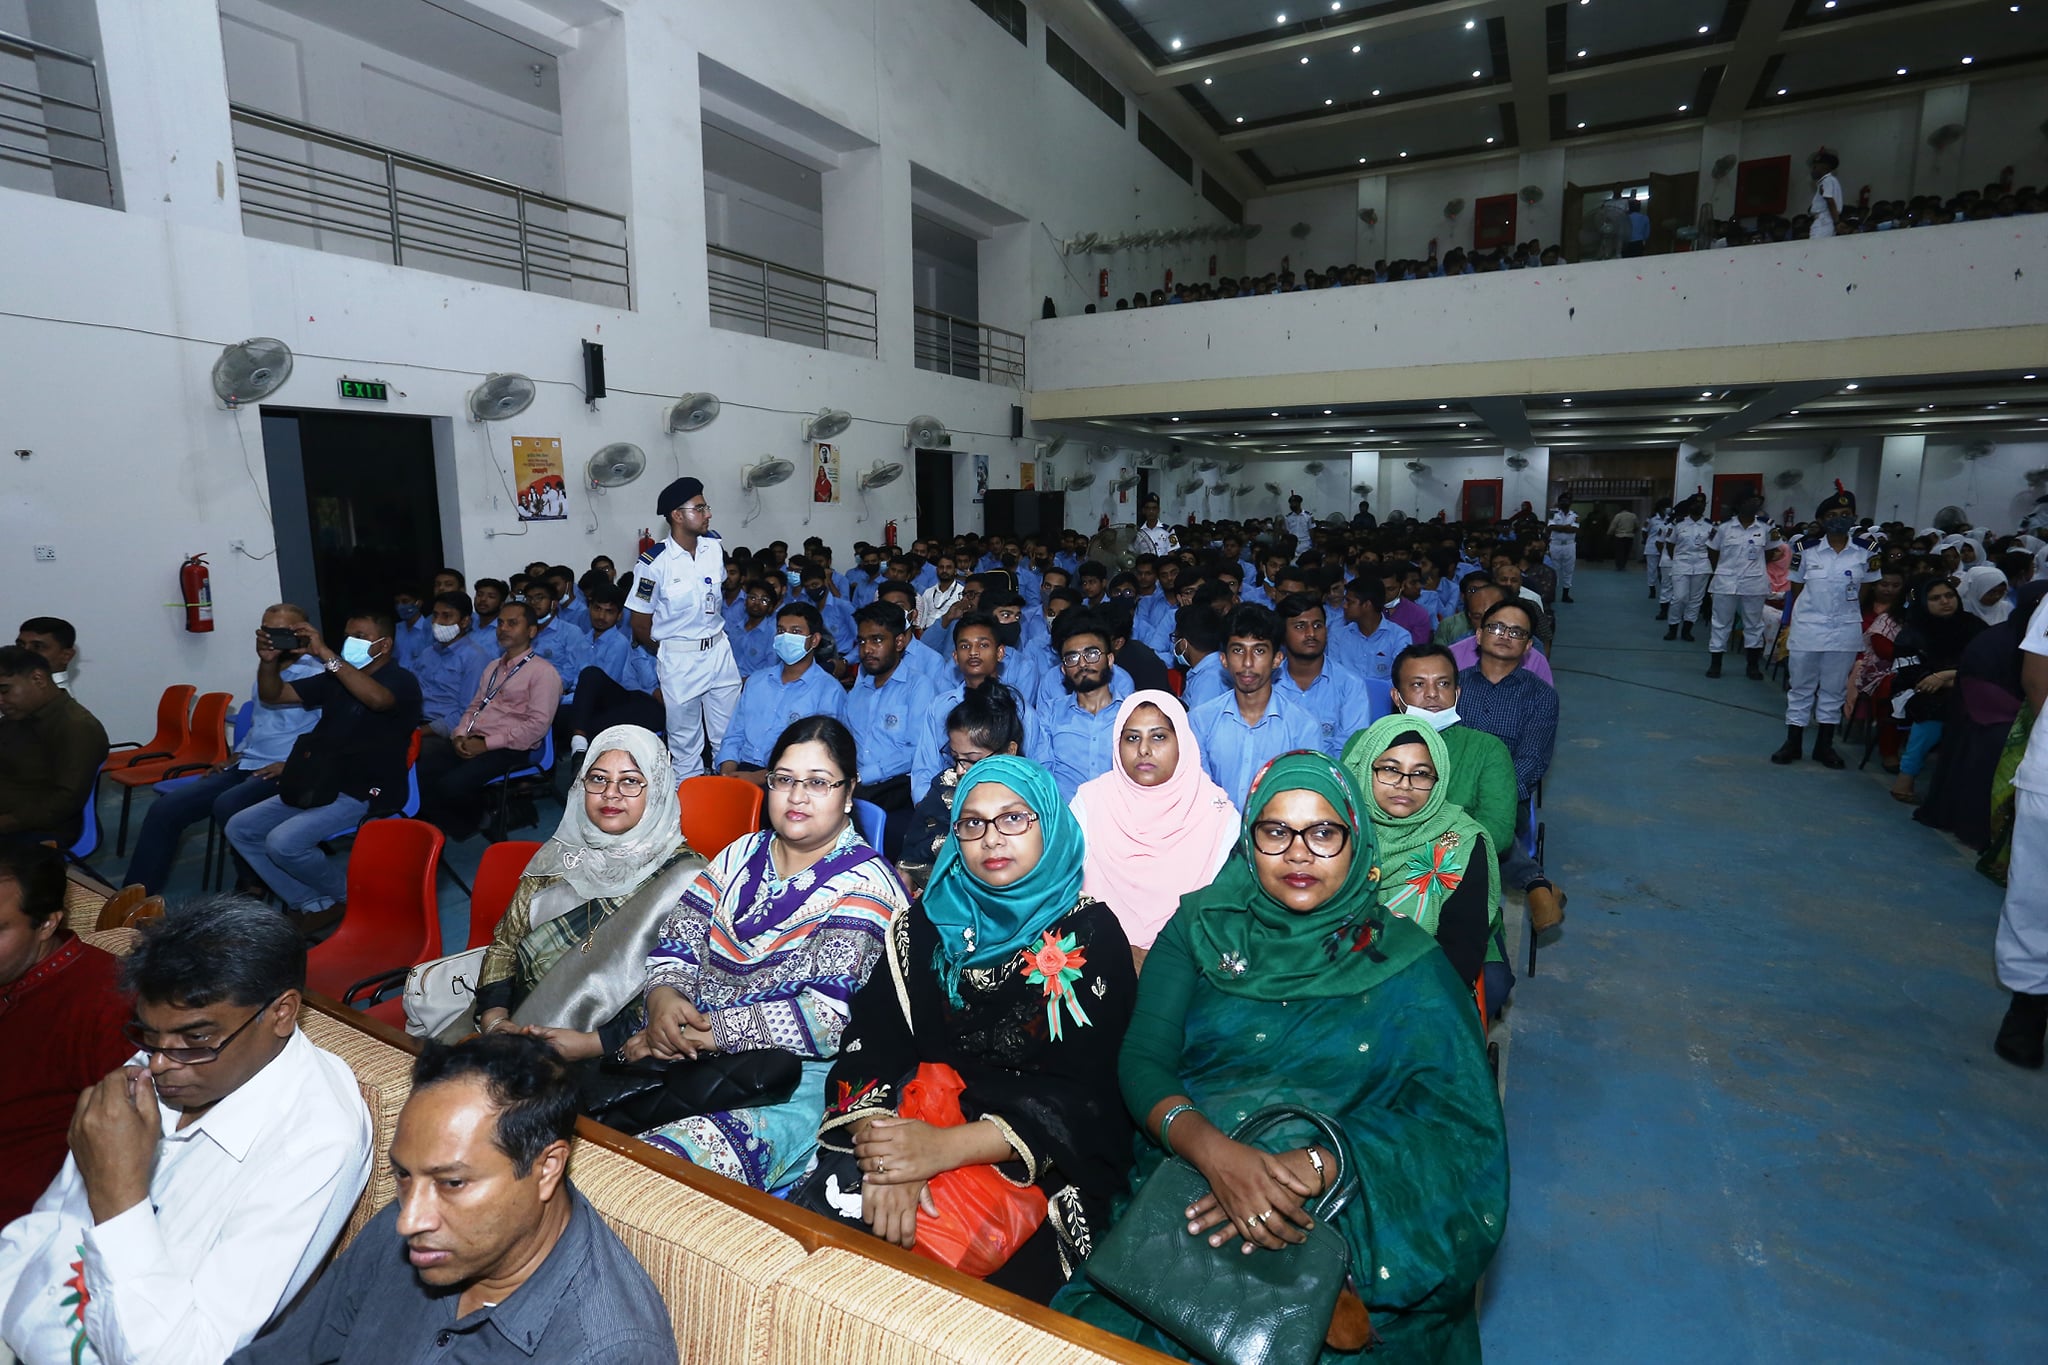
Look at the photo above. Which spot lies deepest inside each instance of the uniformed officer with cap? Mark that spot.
(1737, 549)
(1827, 627)
(675, 606)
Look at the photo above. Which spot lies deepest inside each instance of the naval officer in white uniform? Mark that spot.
(1827, 627)
(675, 606)
(1564, 544)
(1737, 549)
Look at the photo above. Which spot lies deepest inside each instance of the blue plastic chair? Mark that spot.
(88, 841)
(540, 767)
(869, 819)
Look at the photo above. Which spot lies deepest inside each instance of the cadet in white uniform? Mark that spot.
(1657, 557)
(1297, 523)
(1564, 543)
(675, 606)
(1687, 535)
(2023, 923)
(1737, 549)
(1152, 537)
(1827, 628)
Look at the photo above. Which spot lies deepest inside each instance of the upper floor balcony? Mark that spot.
(53, 127)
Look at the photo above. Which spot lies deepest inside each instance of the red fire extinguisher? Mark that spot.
(889, 534)
(195, 587)
(1102, 284)
(647, 542)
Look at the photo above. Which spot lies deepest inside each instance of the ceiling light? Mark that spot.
(1582, 52)
(1708, 394)
(1173, 419)
(1461, 426)
(1783, 91)
(1329, 102)
(1276, 414)
(1850, 386)
(1683, 107)
(1304, 61)
(1280, 19)
(1793, 413)
(1208, 80)
(1336, 5)
(1375, 94)
(1361, 161)
(1326, 412)
(1441, 407)
(1489, 141)
(1968, 60)
(1240, 118)
(1581, 2)
(1900, 72)
(1829, 5)
(1582, 125)
(1470, 24)
(1175, 44)
(1357, 48)
(2026, 376)
(1475, 75)
(1404, 154)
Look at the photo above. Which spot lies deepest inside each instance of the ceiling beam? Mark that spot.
(1857, 21)
(1355, 118)
(1707, 54)
(1767, 406)
(1763, 28)
(1509, 419)
(1529, 61)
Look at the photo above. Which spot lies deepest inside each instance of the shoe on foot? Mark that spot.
(1794, 745)
(1663, 611)
(1672, 633)
(1546, 907)
(1755, 657)
(1824, 748)
(1685, 631)
(2021, 1034)
(1713, 665)
(1567, 594)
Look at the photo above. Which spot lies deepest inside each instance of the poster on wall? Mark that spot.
(537, 462)
(980, 478)
(824, 473)
(1027, 475)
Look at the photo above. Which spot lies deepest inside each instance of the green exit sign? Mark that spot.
(371, 390)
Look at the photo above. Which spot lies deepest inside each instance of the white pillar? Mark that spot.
(165, 78)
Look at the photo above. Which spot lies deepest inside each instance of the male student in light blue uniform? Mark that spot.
(1253, 724)
(489, 595)
(453, 661)
(412, 635)
(837, 615)
(1365, 645)
(1076, 723)
(977, 659)
(778, 696)
(1339, 702)
(934, 668)
(886, 712)
(753, 639)
(561, 643)
(621, 683)
(1197, 647)
(569, 603)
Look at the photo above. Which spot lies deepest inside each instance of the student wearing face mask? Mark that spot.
(452, 661)
(561, 642)
(1480, 776)
(1827, 628)
(778, 696)
(349, 768)
(411, 630)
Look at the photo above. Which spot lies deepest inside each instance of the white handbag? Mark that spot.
(442, 993)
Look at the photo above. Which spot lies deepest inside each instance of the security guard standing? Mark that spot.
(675, 606)
(1737, 550)
(1564, 543)
(1687, 535)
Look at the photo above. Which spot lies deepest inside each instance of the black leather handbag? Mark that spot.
(634, 1097)
(1227, 1308)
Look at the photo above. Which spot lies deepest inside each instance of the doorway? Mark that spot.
(1480, 503)
(355, 506)
(935, 494)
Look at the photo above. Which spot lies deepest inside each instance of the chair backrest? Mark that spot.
(1176, 679)
(206, 740)
(718, 810)
(88, 841)
(244, 717)
(869, 819)
(114, 912)
(151, 907)
(391, 898)
(173, 723)
(497, 877)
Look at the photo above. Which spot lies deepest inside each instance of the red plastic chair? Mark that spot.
(497, 877)
(718, 810)
(173, 713)
(205, 744)
(393, 920)
(1176, 679)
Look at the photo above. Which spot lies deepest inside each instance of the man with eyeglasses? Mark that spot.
(209, 1176)
(780, 695)
(1075, 727)
(1465, 649)
(1252, 724)
(1333, 694)
(978, 654)
(675, 608)
(1506, 700)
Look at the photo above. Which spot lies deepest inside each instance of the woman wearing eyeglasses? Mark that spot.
(1287, 982)
(1010, 986)
(569, 957)
(765, 949)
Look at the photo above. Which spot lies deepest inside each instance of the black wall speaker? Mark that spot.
(1016, 422)
(593, 371)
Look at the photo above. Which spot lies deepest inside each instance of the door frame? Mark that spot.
(1499, 487)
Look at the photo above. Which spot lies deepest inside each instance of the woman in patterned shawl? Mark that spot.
(766, 950)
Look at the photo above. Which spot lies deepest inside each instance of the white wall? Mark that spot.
(1331, 214)
(1816, 463)
(1876, 142)
(1991, 488)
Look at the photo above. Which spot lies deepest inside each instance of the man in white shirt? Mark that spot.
(209, 1176)
(1827, 194)
(2023, 922)
(1297, 522)
(1152, 538)
(1686, 535)
(1564, 544)
(934, 602)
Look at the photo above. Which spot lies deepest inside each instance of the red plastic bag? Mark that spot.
(982, 1218)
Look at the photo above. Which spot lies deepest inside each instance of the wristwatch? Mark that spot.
(333, 665)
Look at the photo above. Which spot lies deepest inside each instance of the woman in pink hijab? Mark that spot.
(1156, 826)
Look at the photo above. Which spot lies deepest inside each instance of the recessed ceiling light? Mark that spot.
(1900, 72)
(1582, 52)
(1443, 407)
(1280, 19)
(1470, 24)
(1375, 94)
(1357, 48)
(1703, 28)
(1304, 61)
(1475, 75)
(1240, 118)
(1783, 91)
(1361, 161)
(1175, 44)
(1404, 154)
(1208, 80)
(1851, 386)
(1793, 413)
(2026, 376)
(1683, 107)
(1326, 412)
(1708, 394)
(1582, 125)
(1173, 419)
(1461, 426)
(1336, 5)
(1829, 5)
(1489, 140)
(1329, 102)
(1968, 60)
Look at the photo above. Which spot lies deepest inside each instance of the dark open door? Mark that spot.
(1571, 218)
(935, 494)
(1674, 201)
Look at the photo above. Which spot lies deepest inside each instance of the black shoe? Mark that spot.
(1794, 745)
(2021, 1034)
(1672, 633)
(1824, 749)
(1567, 594)
(1685, 631)
(1663, 610)
(1756, 667)
(1713, 665)
(1653, 592)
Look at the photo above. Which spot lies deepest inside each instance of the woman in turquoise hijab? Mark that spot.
(1006, 976)
(1286, 981)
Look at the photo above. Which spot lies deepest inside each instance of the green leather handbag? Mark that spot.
(1227, 1308)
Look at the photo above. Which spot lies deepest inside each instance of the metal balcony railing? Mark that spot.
(322, 189)
(967, 349)
(752, 295)
(53, 134)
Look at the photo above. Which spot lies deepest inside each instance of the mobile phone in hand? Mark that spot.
(282, 637)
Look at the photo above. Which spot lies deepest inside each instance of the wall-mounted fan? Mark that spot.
(1977, 450)
(616, 465)
(765, 472)
(691, 412)
(1789, 478)
(500, 396)
(1085, 479)
(1417, 467)
(1177, 460)
(880, 474)
(1517, 462)
(925, 432)
(1124, 483)
(1705, 455)
(1362, 489)
(1206, 466)
(1950, 519)
(1243, 489)
(1102, 454)
(827, 423)
(1274, 489)
(251, 370)
(1234, 467)
(1187, 486)
(1313, 468)
(1051, 448)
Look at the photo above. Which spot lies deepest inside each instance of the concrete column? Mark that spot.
(1002, 265)
(1897, 495)
(163, 81)
(1716, 141)
(1935, 172)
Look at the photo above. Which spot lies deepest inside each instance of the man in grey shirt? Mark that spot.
(503, 1260)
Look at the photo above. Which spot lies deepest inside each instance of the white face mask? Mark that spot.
(446, 634)
(1438, 720)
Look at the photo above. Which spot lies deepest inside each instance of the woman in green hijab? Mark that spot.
(1007, 975)
(1437, 867)
(1286, 982)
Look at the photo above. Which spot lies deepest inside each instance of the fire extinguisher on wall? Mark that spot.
(647, 541)
(195, 589)
(889, 534)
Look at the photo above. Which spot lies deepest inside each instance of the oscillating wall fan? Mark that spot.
(500, 396)
(880, 474)
(251, 370)
(925, 432)
(691, 412)
(765, 472)
(828, 422)
(616, 465)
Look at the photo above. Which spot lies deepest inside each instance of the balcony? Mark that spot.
(311, 187)
(967, 349)
(761, 298)
(53, 135)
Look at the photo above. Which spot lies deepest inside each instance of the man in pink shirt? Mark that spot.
(1404, 587)
(507, 718)
(1466, 651)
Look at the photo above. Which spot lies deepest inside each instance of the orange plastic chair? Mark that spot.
(173, 712)
(718, 810)
(394, 918)
(497, 877)
(205, 744)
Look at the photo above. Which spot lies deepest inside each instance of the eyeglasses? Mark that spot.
(1504, 632)
(629, 786)
(1011, 823)
(1391, 776)
(136, 1034)
(787, 783)
(960, 762)
(1091, 655)
(1325, 838)
(695, 509)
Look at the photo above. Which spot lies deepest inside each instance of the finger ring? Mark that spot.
(881, 1167)
(1260, 1218)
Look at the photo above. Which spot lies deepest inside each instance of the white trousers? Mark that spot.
(1820, 679)
(2023, 923)
(1724, 619)
(701, 690)
(1686, 591)
(1660, 578)
(1564, 550)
